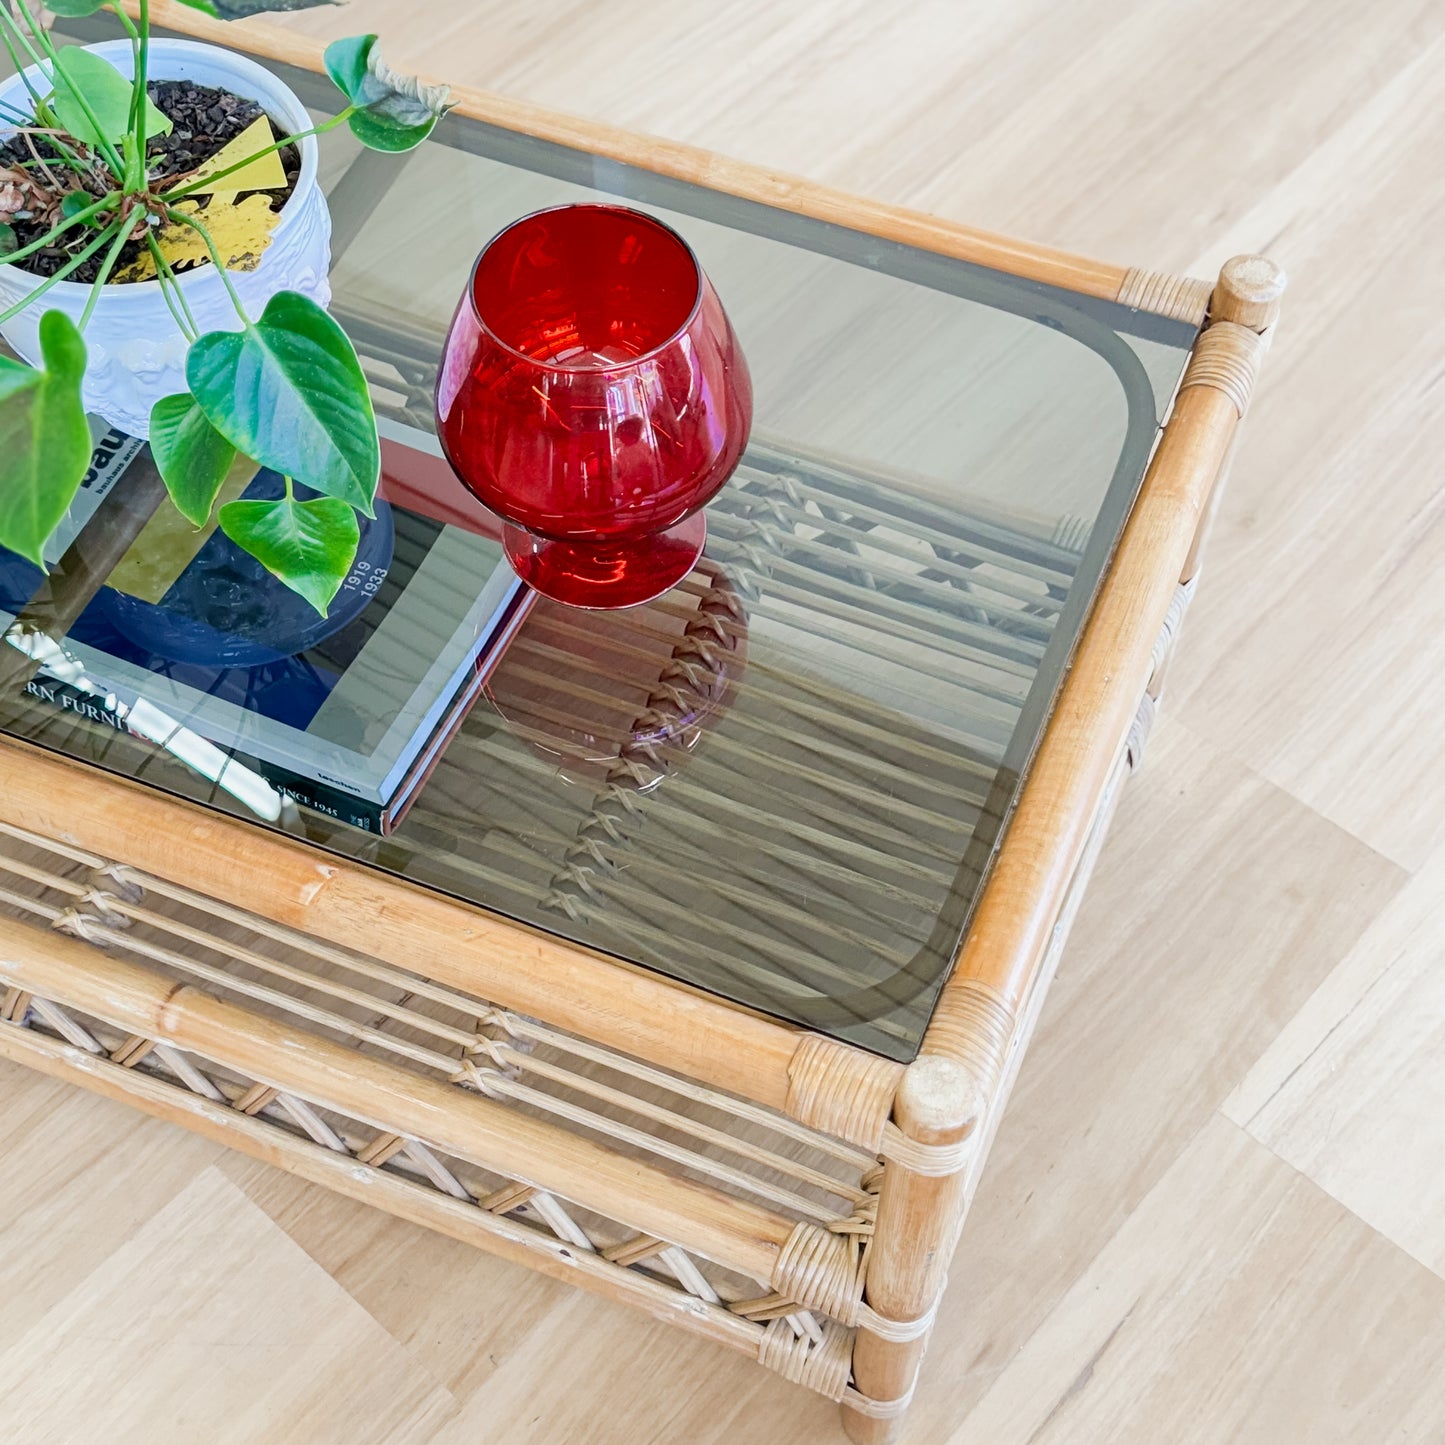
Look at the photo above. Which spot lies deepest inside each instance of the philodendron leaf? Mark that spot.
(309, 546)
(107, 93)
(239, 9)
(289, 392)
(73, 9)
(191, 456)
(396, 112)
(74, 202)
(44, 438)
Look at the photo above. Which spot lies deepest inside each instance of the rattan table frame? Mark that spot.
(783, 1194)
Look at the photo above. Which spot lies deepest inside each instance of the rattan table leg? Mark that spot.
(1246, 295)
(937, 1103)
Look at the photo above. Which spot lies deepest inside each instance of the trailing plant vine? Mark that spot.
(285, 389)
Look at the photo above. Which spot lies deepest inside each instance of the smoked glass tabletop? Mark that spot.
(785, 781)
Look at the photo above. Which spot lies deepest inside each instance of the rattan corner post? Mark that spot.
(993, 998)
(784, 1195)
(937, 1108)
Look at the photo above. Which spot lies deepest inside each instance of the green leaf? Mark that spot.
(239, 9)
(289, 392)
(396, 112)
(309, 546)
(8, 242)
(44, 438)
(74, 9)
(192, 457)
(74, 202)
(346, 64)
(106, 91)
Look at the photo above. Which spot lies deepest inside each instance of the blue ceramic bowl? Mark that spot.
(226, 610)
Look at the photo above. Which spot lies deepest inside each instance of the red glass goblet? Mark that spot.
(593, 394)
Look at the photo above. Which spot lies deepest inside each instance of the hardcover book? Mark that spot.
(190, 643)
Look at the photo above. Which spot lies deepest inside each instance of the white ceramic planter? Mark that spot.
(136, 351)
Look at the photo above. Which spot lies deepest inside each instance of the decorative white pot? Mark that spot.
(137, 353)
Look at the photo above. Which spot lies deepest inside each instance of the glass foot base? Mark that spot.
(622, 575)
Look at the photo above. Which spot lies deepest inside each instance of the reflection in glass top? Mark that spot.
(783, 782)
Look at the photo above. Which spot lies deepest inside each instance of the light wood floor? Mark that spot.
(1216, 1209)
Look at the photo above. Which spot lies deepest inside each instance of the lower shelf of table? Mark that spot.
(370, 1081)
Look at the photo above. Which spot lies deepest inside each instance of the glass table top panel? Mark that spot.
(785, 781)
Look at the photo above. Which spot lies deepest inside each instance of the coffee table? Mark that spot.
(701, 971)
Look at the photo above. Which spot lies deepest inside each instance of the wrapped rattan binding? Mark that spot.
(1183, 298)
(841, 1090)
(1227, 358)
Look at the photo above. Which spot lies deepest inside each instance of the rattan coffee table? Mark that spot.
(701, 971)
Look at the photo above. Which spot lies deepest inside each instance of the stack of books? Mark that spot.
(192, 645)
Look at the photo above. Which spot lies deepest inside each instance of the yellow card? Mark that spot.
(240, 229)
(264, 174)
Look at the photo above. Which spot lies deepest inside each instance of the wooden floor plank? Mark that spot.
(434, 1295)
(210, 1324)
(1313, 653)
(1239, 1305)
(78, 1176)
(1352, 1092)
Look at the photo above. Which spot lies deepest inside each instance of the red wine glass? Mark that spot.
(593, 394)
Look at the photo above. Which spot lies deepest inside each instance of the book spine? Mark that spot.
(320, 798)
(63, 696)
(334, 803)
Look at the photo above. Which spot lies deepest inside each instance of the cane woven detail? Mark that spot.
(821, 1365)
(880, 1409)
(1168, 638)
(840, 1090)
(661, 737)
(1226, 357)
(934, 1161)
(1181, 297)
(899, 1331)
(821, 1271)
(1139, 731)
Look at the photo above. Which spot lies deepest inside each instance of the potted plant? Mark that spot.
(134, 283)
